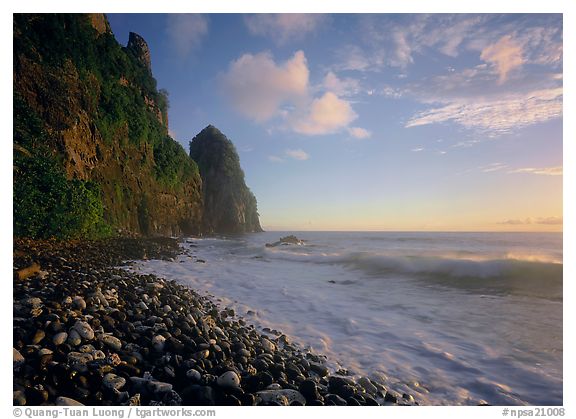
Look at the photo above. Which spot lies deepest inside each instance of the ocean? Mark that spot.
(451, 318)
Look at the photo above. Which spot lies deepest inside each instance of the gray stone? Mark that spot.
(44, 351)
(84, 330)
(86, 349)
(367, 385)
(74, 338)
(159, 387)
(113, 382)
(18, 359)
(38, 336)
(18, 398)
(229, 379)
(75, 358)
(78, 303)
(67, 401)
(193, 374)
(267, 345)
(112, 342)
(59, 338)
(158, 342)
(279, 396)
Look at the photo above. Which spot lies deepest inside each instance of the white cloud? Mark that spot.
(534, 220)
(359, 133)
(325, 115)
(263, 90)
(342, 87)
(354, 58)
(549, 220)
(396, 41)
(493, 167)
(186, 31)
(506, 55)
(258, 87)
(275, 159)
(392, 92)
(297, 154)
(283, 27)
(496, 115)
(547, 171)
(399, 41)
(417, 149)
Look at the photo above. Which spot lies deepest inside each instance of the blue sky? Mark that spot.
(374, 122)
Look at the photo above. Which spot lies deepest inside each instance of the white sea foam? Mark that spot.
(453, 318)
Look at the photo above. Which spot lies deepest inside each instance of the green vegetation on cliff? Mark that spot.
(91, 138)
(46, 204)
(92, 154)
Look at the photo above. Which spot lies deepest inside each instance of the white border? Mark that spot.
(335, 6)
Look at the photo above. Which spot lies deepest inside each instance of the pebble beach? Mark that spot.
(87, 331)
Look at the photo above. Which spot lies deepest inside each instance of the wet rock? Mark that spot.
(390, 397)
(367, 385)
(319, 369)
(335, 400)
(267, 345)
(309, 390)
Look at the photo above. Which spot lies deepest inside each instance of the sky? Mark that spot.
(374, 121)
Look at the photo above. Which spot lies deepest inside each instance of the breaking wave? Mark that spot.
(509, 275)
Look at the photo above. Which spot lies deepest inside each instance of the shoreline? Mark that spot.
(88, 331)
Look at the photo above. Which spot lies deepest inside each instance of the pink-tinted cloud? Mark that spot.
(257, 86)
(359, 133)
(297, 154)
(325, 115)
(546, 171)
(505, 55)
(341, 86)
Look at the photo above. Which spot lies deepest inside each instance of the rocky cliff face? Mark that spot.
(91, 143)
(138, 46)
(230, 207)
(105, 124)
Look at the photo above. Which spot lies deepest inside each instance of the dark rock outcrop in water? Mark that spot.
(287, 240)
(229, 206)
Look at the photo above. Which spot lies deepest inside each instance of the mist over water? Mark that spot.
(452, 318)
